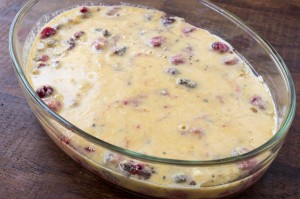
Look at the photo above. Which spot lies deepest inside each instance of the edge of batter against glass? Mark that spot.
(276, 139)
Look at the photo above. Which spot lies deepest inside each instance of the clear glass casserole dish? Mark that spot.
(231, 180)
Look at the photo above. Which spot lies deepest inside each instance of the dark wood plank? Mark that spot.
(31, 166)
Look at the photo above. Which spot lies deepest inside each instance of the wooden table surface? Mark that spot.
(32, 166)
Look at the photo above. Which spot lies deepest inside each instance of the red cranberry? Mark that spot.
(84, 10)
(89, 149)
(198, 131)
(54, 105)
(67, 142)
(44, 91)
(97, 46)
(157, 41)
(47, 32)
(41, 65)
(177, 59)
(220, 47)
(230, 60)
(257, 101)
(247, 165)
(43, 58)
(134, 102)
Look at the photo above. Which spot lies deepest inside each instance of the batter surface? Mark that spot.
(150, 83)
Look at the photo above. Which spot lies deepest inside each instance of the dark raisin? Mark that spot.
(188, 30)
(120, 51)
(106, 33)
(192, 183)
(141, 170)
(167, 20)
(186, 82)
(145, 174)
(131, 167)
(180, 178)
(98, 29)
(172, 71)
(44, 91)
(77, 35)
(71, 43)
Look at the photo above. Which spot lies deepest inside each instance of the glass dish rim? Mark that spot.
(280, 134)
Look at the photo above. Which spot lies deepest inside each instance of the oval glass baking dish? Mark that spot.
(224, 176)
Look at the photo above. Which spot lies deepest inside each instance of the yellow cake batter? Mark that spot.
(153, 84)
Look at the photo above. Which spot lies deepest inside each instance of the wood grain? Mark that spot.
(32, 166)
